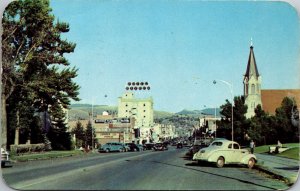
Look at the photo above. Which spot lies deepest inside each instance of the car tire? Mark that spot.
(121, 150)
(220, 162)
(134, 150)
(251, 163)
(107, 150)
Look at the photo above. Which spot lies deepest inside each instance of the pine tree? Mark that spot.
(59, 137)
(79, 134)
(89, 135)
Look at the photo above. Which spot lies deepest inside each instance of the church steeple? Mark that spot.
(252, 85)
(251, 67)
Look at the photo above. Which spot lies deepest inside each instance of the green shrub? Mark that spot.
(27, 148)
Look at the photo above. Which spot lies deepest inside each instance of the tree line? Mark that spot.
(263, 127)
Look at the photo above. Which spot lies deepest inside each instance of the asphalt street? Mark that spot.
(147, 170)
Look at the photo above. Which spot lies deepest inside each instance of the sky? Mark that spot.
(179, 47)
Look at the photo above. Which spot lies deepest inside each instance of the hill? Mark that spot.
(81, 111)
(197, 113)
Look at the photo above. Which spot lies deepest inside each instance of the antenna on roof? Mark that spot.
(251, 42)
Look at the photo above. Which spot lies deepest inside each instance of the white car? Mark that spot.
(225, 152)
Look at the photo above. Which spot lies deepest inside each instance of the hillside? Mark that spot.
(81, 111)
(197, 113)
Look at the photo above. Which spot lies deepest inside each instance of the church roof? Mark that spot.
(251, 67)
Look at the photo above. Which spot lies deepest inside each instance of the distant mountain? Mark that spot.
(211, 111)
(189, 112)
(81, 111)
(207, 111)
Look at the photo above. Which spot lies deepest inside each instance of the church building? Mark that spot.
(252, 85)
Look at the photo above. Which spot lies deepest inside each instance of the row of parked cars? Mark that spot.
(126, 147)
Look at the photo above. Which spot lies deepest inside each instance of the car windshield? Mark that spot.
(216, 144)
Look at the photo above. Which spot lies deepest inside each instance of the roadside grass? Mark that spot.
(44, 155)
(292, 153)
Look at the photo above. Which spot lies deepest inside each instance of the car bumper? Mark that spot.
(6, 163)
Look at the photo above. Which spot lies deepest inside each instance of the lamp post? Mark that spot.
(92, 122)
(231, 91)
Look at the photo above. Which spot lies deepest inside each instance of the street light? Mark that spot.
(92, 126)
(231, 91)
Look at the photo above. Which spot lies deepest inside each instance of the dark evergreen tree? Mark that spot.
(90, 135)
(58, 136)
(239, 120)
(79, 134)
(286, 131)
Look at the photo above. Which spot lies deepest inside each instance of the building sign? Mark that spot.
(109, 135)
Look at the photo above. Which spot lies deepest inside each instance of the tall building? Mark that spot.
(141, 110)
(252, 85)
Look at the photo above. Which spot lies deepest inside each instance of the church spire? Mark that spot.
(251, 67)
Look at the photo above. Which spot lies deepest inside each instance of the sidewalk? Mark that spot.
(282, 167)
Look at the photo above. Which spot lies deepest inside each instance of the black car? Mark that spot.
(194, 149)
(149, 146)
(133, 147)
(179, 145)
(160, 147)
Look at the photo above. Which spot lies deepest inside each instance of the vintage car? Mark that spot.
(225, 152)
(194, 149)
(113, 146)
(160, 147)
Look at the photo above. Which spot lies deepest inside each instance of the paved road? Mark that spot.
(161, 170)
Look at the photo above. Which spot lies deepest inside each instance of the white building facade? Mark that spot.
(141, 110)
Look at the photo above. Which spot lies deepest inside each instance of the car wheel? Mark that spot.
(251, 163)
(107, 150)
(121, 150)
(134, 150)
(220, 162)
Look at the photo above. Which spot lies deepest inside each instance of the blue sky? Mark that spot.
(179, 47)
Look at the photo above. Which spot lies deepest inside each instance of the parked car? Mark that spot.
(149, 146)
(179, 145)
(223, 152)
(133, 147)
(126, 147)
(141, 147)
(194, 149)
(5, 161)
(112, 146)
(160, 147)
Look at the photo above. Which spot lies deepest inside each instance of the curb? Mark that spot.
(42, 158)
(288, 180)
